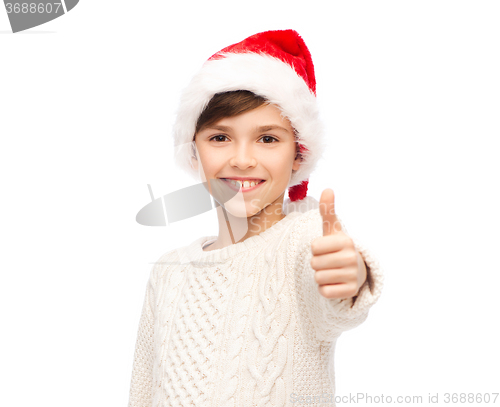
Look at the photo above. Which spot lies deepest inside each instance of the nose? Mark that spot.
(243, 157)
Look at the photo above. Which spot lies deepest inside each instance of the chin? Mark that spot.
(240, 210)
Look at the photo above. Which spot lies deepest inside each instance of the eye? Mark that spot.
(218, 135)
(269, 137)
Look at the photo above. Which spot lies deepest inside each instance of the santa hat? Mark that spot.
(276, 65)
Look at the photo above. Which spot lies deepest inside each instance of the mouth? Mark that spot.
(244, 186)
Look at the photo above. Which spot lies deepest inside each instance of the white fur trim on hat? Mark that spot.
(304, 205)
(265, 76)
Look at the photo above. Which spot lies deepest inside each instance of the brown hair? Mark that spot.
(229, 104)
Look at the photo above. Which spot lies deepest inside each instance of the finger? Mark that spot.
(332, 260)
(338, 290)
(331, 243)
(327, 211)
(335, 276)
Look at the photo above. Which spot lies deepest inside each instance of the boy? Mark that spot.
(253, 317)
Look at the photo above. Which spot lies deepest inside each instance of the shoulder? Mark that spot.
(174, 259)
(164, 265)
(311, 216)
(307, 224)
(301, 229)
(310, 224)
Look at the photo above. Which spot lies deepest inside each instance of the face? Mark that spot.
(259, 145)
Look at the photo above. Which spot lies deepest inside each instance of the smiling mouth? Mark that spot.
(244, 186)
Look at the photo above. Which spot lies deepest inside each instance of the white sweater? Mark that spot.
(244, 325)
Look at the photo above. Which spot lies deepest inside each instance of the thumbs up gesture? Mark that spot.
(340, 269)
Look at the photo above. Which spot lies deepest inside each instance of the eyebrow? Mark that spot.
(258, 129)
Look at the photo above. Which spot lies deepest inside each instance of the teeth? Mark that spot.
(246, 184)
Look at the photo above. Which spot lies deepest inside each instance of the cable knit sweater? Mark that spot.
(244, 325)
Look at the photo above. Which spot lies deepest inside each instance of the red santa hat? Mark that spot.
(276, 65)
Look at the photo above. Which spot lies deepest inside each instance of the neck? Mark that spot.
(233, 229)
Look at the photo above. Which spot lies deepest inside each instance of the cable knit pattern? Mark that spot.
(237, 325)
(267, 354)
(244, 325)
(141, 385)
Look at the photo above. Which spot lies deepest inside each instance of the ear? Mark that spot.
(194, 163)
(193, 158)
(298, 158)
(296, 163)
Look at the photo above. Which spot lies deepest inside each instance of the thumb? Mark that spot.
(327, 211)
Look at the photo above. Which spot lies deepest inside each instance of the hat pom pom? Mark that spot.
(298, 192)
(299, 201)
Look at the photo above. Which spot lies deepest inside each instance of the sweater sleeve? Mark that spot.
(330, 317)
(142, 371)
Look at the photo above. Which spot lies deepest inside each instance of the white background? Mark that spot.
(409, 92)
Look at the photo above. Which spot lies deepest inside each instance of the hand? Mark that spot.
(340, 269)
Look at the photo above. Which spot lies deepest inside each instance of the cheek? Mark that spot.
(281, 168)
(208, 160)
